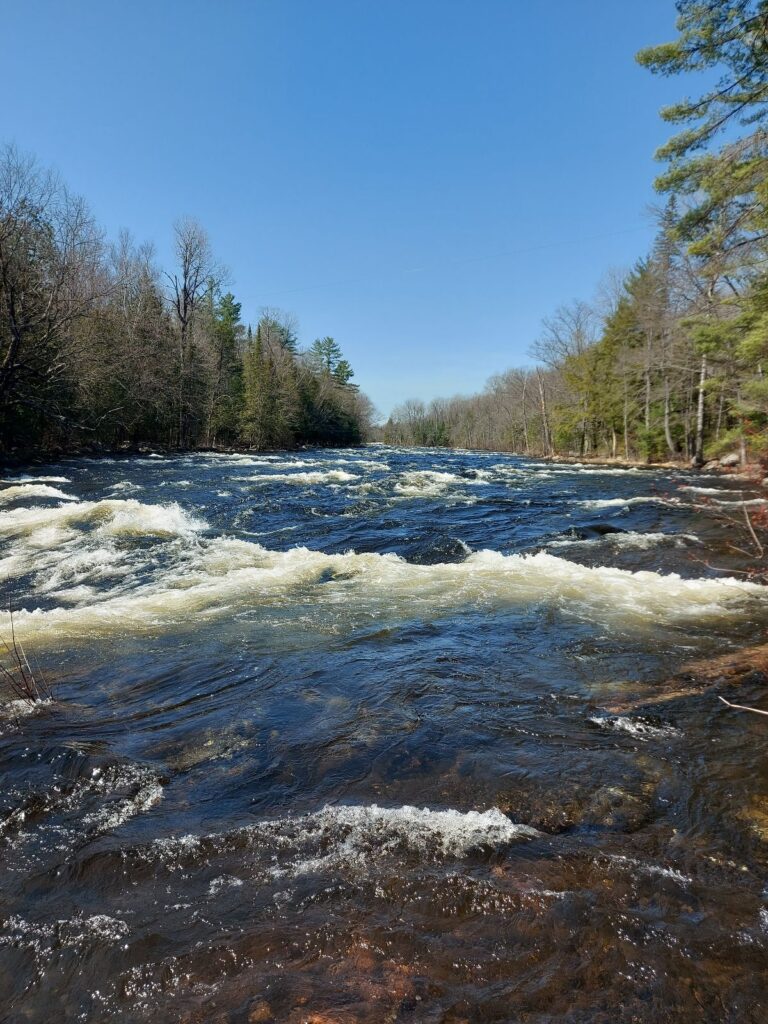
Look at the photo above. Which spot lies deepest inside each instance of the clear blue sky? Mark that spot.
(422, 179)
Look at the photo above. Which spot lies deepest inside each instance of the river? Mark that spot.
(334, 738)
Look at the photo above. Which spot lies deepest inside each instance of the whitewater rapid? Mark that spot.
(117, 565)
(377, 734)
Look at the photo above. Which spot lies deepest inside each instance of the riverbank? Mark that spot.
(728, 466)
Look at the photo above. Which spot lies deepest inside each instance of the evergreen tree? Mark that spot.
(258, 396)
(227, 377)
(727, 188)
(343, 374)
(325, 354)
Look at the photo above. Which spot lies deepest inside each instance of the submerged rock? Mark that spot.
(260, 1012)
(755, 816)
(437, 551)
(625, 805)
(615, 807)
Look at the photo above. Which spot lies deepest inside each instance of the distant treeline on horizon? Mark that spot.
(100, 347)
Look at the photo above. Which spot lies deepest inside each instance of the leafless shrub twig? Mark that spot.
(22, 681)
(742, 707)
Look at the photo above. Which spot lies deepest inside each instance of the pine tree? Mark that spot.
(727, 188)
(325, 354)
(258, 395)
(343, 374)
(226, 383)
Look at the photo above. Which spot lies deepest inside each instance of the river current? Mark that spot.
(363, 735)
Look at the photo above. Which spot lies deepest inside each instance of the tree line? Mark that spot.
(100, 346)
(670, 361)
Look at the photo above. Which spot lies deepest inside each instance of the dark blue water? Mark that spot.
(375, 735)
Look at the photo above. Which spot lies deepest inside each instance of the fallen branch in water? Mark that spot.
(25, 685)
(759, 547)
(742, 707)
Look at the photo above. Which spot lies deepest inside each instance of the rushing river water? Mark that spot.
(334, 739)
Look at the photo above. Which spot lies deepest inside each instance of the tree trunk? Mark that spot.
(720, 405)
(687, 420)
(698, 454)
(647, 383)
(667, 430)
(544, 418)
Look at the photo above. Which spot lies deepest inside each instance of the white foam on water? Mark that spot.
(125, 486)
(112, 816)
(662, 872)
(504, 469)
(112, 515)
(169, 848)
(593, 471)
(424, 483)
(65, 590)
(71, 570)
(352, 838)
(20, 708)
(629, 539)
(369, 487)
(291, 463)
(597, 503)
(36, 480)
(232, 458)
(108, 929)
(705, 490)
(244, 461)
(315, 477)
(657, 870)
(67, 549)
(98, 802)
(21, 491)
(244, 457)
(223, 882)
(359, 835)
(362, 463)
(635, 727)
(223, 575)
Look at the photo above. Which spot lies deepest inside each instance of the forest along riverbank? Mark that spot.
(381, 733)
